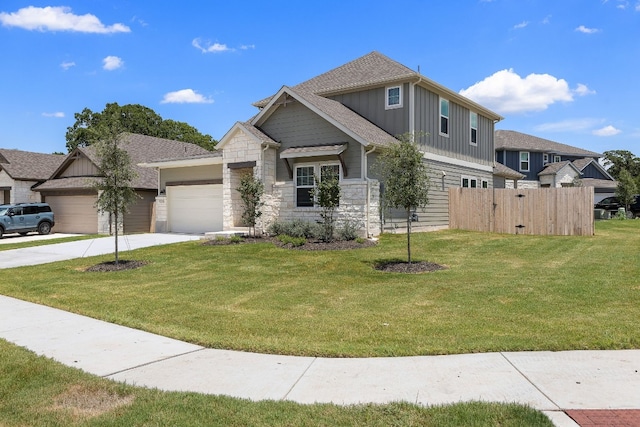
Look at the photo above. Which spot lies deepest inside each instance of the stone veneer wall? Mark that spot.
(280, 205)
(522, 184)
(20, 190)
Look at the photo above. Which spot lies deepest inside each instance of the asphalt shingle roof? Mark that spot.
(29, 166)
(512, 140)
(141, 149)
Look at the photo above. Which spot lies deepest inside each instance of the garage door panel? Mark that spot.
(194, 208)
(74, 214)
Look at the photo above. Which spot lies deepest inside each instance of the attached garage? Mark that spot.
(138, 219)
(194, 208)
(74, 213)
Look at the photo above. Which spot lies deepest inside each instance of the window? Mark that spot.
(545, 158)
(305, 181)
(557, 159)
(444, 117)
(524, 161)
(469, 182)
(473, 118)
(304, 186)
(485, 183)
(393, 98)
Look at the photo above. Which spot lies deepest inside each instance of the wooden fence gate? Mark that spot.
(543, 211)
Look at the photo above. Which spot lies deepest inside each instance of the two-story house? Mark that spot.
(546, 163)
(341, 121)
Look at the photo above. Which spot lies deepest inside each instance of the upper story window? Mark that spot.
(444, 117)
(305, 181)
(393, 97)
(557, 159)
(524, 161)
(545, 158)
(473, 120)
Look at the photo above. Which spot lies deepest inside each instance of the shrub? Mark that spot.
(348, 230)
(291, 240)
(295, 228)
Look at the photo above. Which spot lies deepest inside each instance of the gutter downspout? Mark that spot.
(368, 181)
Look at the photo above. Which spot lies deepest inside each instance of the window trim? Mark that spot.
(389, 106)
(442, 116)
(473, 114)
(557, 158)
(317, 168)
(469, 180)
(545, 158)
(520, 161)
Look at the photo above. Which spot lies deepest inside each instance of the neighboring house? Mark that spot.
(20, 171)
(340, 121)
(73, 199)
(544, 163)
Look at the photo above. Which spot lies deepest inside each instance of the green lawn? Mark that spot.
(499, 293)
(35, 391)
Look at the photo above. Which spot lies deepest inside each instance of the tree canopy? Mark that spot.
(618, 160)
(133, 118)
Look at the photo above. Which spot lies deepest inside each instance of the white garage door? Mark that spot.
(194, 208)
(74, 214)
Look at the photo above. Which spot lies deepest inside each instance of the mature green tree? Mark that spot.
(327, 195)
(406, 179)
(251, 190)
(626, 189)
(618, 160)
(115, 191)
(133, 118)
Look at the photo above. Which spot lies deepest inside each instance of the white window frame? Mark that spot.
(387, 97)
(317, 168)
(442, 116)
(484, 184)
(545, 158)
(528, 161)
(469, 180)
(557, 158)
(473, 117)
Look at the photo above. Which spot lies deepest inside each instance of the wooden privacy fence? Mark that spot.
(544, 211)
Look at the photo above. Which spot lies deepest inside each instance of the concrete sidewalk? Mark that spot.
(85, 248)
(548, 381)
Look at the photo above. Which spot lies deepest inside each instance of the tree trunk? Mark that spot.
(409, 236)
(116, 234)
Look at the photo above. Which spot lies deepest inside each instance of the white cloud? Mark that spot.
(247, 46)
(521, 25)
(507, 92)
(58, 19)
(606, 131)
(185, 96)
(547, 20)
(583, 90)
(571, 125)
(585, 30)
(207, 47)
(66, 65)
(57, 114)
(111, 63)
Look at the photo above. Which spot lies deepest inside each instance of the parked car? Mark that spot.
(26, 217)
(612, 204)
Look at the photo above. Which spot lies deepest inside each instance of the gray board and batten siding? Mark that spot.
(294, 125)
(370, 104)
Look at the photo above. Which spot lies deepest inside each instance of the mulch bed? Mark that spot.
(405, 267)
(111, 265)
(394, 266)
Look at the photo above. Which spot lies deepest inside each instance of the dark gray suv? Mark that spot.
(26, 217)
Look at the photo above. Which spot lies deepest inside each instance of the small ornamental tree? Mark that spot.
(626, 189)
(115, 191)
(406, 179)
(327, 195)
(251, 190)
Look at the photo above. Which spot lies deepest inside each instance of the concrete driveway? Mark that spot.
(82, 248)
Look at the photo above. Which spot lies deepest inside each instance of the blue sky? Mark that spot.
(565, 70)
